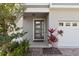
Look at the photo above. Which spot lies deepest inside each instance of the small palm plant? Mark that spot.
(53, 38)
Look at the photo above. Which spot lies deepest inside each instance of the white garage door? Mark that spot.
(70, 37)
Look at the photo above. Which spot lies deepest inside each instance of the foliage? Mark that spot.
(9, 12)
(52, 38)
(15, 49)
(60, 32)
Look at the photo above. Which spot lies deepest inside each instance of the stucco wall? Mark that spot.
(71, 34)
(56, 14)
(28, 27)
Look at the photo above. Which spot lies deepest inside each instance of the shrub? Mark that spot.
(15, 49)
(52, 38)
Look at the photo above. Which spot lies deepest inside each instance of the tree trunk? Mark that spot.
(4, 29)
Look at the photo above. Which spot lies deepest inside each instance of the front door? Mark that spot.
(38, 30)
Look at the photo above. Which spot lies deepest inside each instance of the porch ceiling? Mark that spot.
(35, 15)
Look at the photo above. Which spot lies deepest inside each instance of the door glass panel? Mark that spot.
(38, 26)
(37, 36)
(39, 29)
(37, 22)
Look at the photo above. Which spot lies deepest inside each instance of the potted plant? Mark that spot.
(52, 39)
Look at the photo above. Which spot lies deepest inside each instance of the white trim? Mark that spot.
(33, 26)
(64, 5)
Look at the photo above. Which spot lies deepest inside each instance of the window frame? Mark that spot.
(75, 23)
(67, 24)
(61, 23)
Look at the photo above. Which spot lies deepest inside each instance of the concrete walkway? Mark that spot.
(69, 51)
(54, 52)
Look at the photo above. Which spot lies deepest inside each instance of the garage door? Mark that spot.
(71, 34)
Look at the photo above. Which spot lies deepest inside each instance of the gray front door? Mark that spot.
(38, 29)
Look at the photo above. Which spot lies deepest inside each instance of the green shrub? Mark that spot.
(15, 49)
